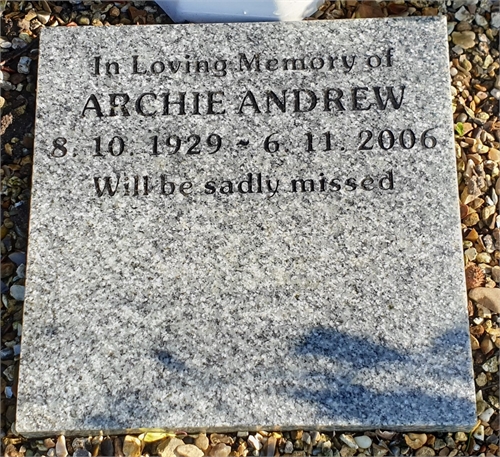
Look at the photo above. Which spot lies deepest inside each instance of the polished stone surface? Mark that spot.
(223, 238)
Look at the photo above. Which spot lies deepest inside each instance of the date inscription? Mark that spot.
(195, 145)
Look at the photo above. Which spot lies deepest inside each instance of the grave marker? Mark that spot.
(245, 225)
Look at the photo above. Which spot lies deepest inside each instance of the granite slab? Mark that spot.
(244, 226)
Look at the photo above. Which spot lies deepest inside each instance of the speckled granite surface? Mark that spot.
(209, 284)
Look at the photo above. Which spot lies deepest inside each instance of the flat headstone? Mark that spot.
(245, 225)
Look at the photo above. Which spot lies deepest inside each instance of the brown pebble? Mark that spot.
(471, 219)
(474, 276)
(487, 297)
(114, 12)
(425, 451)
(7, 269)
(202, 441)
(415, 440)
(216, 438)
(487, 345)
(118, 447)
(49, 443)
(476, 330)
(474, 343)
(11, 451)
(494, 154)
(472, 235)
(430, 12)
(137, 15)
(270, 446)
(465, 40)
(368, 9)
(397, 9)
(132, 446)
(188, 450)
(220, 450)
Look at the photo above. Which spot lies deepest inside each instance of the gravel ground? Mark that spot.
(474, 68)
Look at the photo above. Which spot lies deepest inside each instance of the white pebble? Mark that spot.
(17, 292)
(61, 450)
(24, 65)
(486, 414)
(479, 433)
(496, 93)
(491, 365)
(6, 85)
(463, 15)
(288, 447)
(481, 20)
(495, 20)
(471, 253)
(17, 43)
(349, 440)
(364, 442)
(254, 442)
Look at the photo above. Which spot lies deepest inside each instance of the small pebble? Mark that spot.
(83, 20)
(439, 444)
(17, 292)
(482, 380)
(364, 442)
(425, 451)
(23, 66)
(289, 447)
(202, 441)
(491, 365)
(463, 14)
(481, 20)
(132, 446)
(17, 43)
(270, 447)
(220, 450)
(60, 450)
(465, 40)
(82, 453)
(189, 450)
(415, 440)
(167, 448)
(486, 415)
(43, 17)
(254, 442)
(114, 12)
(479, 433)
(349, 440)
(487, 297)
(471, 254)
(107, 449)
(18, 257)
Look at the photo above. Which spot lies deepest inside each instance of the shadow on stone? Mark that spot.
(387, 386)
